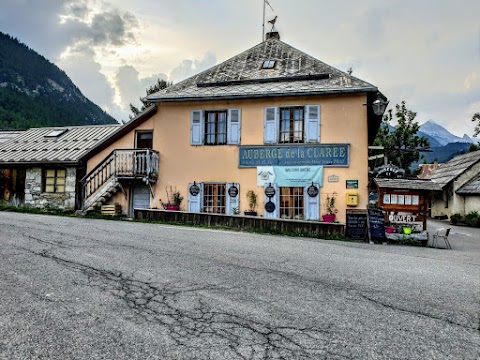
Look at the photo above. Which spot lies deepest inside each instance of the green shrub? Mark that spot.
(473, 218)
(456, 218)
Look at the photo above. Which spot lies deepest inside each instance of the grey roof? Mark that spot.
(295, 73)
(470, 188)
(454, 168)
(32, 146)
(407, 184)
(7, 135)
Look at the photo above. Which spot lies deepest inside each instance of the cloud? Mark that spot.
(131, 87)
(189, 68)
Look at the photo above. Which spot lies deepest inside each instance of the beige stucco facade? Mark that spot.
(448, 202)
(343, 121)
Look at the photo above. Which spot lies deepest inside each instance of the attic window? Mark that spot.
(268, 64)
(56, 133)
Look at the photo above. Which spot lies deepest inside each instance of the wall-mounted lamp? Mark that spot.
(379, 106)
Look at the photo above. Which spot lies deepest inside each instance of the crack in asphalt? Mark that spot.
(193, 324)
(420, 313)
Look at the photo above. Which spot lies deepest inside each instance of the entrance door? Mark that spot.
(140, 198)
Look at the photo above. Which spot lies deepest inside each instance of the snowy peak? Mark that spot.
(442, 135)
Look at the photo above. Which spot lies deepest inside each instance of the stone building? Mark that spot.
(458, 179)
(43, 166)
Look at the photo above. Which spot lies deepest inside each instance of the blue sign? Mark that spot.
(331, 155)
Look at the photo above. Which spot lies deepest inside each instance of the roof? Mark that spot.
(454, 168)
(35, 146)
(407, 184)
(121, 131)
(7, 135)
(294, 73)
(470, 188)
(425, 170)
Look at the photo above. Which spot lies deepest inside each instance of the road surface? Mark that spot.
(74, 288)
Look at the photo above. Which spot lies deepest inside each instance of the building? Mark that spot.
(272, 119)
(458, 179)
(44, 166)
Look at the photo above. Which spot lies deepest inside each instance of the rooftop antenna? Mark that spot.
(265, 3)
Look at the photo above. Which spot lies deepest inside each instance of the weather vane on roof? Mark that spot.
(265, 3)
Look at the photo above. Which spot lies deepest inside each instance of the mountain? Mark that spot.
(443, 144)
(440, 135)
(36, 93)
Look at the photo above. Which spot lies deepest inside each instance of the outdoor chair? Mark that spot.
(441, 234)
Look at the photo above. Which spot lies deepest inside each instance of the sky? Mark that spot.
(426, 52)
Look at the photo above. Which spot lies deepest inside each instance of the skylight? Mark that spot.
(268, 64)
(56, 133)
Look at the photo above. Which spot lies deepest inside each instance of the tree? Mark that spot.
(402, 144)
(473, 147)
(476, 118)
(160, 85)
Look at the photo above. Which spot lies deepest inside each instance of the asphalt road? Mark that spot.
(75, 288)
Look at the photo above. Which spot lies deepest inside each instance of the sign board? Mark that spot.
(352, 184)
(376, 224)
(333, 178)
(357, 224)
(292, 176)
(332, 155)
(233, 191)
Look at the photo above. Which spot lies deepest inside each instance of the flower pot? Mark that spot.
(173, 208)
(328, 218)
(407, 230)
(250, 213)
(389, 229)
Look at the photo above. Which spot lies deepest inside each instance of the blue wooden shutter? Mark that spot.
(312, 124)
(195, 203)
(232, 202)
(196, 127)
(270, 130)
(234, 126)
(312, 204)
(276, 200)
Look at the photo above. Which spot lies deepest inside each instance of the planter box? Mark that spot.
(328, 218)
(172, 208)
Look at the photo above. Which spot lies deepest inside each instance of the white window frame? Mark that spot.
(311, 124)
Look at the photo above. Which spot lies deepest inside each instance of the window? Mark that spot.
(291, 203)
(55, 180)
(56, 133)
(214, 198)
(216, 128)
(291, 124)
(144, 139)
(268, 64)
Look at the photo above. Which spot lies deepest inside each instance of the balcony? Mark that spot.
(122, 164)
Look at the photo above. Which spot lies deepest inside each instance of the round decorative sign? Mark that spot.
(270, 191)
(270, 206)
(233, 191)
(312, 191)
(194, 190)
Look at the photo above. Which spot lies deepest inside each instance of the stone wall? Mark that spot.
(35, 197)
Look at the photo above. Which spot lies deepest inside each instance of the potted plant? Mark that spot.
(174, 200)
(252, 203)
(330, 209)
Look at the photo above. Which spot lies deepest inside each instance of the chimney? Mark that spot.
(272, 35)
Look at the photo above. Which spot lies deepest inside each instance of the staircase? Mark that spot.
(105, 180)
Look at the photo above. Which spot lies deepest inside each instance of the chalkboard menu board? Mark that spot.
(376, 224)
(357, 224)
